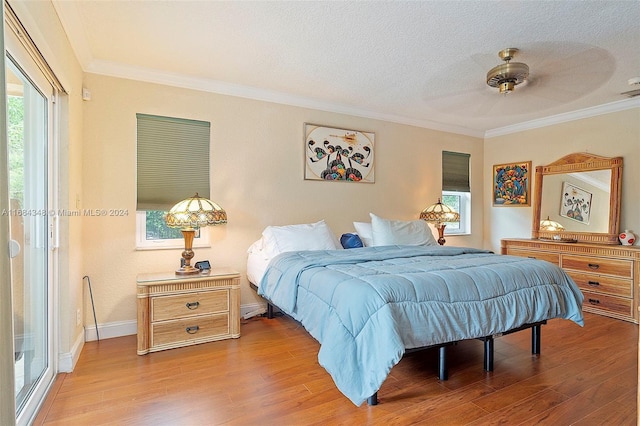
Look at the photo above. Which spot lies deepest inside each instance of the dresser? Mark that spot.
(608, 275)
(178, 310)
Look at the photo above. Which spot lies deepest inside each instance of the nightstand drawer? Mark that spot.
(184, 330)
(602, 284)
(188, 305)
(532, 254)
(613, 304)
(599, 265)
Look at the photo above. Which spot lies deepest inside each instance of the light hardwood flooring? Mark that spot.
(584, 376)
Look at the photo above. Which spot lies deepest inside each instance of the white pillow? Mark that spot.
(308, 236)
(363, 229)
(391, 232)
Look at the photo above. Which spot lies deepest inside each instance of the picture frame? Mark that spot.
(337, 154)
(575, 203)
(511, 185)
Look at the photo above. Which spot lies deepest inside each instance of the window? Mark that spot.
(456, 191)
(153, 233)
(167, 149)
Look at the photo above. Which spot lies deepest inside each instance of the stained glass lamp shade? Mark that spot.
(189, 215)
(438, 214)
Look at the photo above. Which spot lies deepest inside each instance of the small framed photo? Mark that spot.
(338, 154)
(576, 203)
(512, 184)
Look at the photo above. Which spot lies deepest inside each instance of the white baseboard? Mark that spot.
(110, 330)
(67, 361)
(127, 328)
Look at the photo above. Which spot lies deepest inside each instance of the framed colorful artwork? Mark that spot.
(338, 154)
(511, 184)
(576, 203)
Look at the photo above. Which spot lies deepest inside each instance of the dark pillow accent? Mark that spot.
(350, 241)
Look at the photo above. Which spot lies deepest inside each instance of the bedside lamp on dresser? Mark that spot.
(587, 246)
(188, 306)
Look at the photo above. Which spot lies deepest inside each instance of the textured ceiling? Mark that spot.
(421, 63)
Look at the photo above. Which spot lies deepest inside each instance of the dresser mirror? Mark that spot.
(581, 193)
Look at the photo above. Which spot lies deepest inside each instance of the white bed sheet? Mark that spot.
(257, 263)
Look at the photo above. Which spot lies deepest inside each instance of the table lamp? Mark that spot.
(549, 225)
(438, 214)
(189, 215)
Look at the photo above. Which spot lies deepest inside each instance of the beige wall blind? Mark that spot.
(173, 160)
(455, 171)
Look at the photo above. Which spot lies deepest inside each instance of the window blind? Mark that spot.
(455, 171)
(172, 159)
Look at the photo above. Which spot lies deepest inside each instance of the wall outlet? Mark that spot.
(78, 317)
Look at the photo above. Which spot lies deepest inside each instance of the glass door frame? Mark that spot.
(7, 365)
(25, 64)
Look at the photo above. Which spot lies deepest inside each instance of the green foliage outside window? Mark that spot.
(157, 229)
(15, 133)
(452, 201)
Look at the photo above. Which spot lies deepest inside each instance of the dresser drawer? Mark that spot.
(603, 284)
(599, 265)
(533, 254)
(188, 305)
(613, 304)
(184, 330)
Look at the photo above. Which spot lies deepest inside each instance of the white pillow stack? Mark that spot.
(387, 232)
(364, 231)
(308, 236)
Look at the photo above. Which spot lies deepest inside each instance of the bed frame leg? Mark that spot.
(269, 311)
(488, 353)
(373, 399)
(535, 338)
(443, 373)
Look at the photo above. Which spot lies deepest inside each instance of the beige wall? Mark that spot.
(611, 135)
(257, 177)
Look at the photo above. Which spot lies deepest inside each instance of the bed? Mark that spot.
(368, 306)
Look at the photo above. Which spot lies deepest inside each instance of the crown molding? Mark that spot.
(113, 69)
(565, 117)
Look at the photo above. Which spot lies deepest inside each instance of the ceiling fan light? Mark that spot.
(507, 87)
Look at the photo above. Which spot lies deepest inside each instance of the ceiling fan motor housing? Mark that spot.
(508, 75)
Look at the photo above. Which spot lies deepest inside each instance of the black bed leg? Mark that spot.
(373, 399)
(488, 354)
(269, 311)
(535, 339)
(442, 363)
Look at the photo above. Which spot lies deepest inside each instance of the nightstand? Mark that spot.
(178, 310)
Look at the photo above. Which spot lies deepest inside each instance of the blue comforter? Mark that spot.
(367, 305)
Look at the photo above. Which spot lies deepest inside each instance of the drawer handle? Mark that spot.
(193, 329)
(594, 266)
(594, 301)
(594, 283)
(193, 305)
(531, 257)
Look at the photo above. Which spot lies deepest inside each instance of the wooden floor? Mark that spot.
(584, 376)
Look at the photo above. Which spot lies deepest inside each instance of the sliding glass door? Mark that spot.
(29, 118)
(28, 136)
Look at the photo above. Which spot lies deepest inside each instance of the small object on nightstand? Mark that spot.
(203, 265)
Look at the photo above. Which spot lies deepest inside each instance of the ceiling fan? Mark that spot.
(508, 75)
(633, 82)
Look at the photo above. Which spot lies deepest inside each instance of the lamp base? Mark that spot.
(187, 270)
(440, 229)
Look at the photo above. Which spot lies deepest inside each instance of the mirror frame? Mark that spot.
(582, 162)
